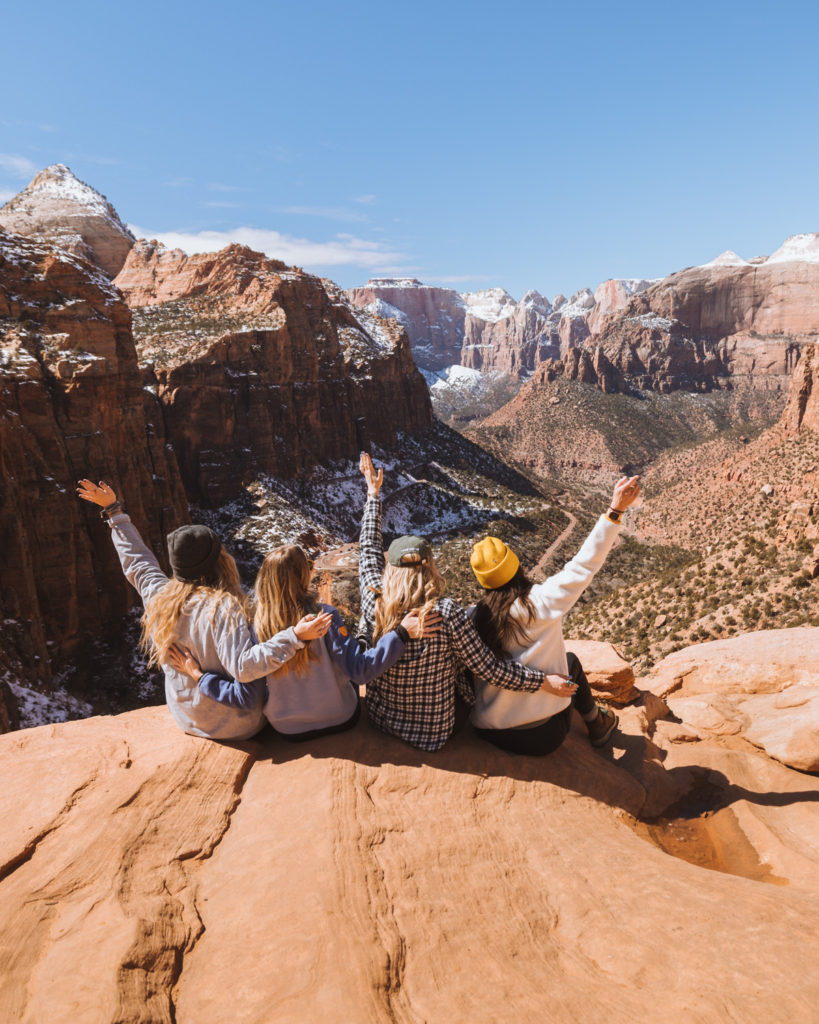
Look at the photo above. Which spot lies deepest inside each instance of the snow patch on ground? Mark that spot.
(44, 708)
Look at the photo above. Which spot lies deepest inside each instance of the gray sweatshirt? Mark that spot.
(220, 642)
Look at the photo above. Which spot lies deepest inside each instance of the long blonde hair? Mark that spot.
(404, 588)
(283, 596)
(222, 589)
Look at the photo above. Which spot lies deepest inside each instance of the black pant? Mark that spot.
(546, 737)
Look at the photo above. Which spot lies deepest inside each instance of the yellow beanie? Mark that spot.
(493, 563)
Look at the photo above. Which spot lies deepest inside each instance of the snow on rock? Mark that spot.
(797, 248)
(727, 259)
(491, 304)
(382, 308)
(59, 208)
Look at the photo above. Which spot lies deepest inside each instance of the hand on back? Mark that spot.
(419, 629)
(182, 660)
(374, 478)
(99, 494)
(560, 686)
(311, 627)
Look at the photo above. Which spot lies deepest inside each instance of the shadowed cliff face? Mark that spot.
(262, 369)
(71, 405)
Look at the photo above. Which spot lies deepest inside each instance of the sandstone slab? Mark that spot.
(610, 675)
(150, 876)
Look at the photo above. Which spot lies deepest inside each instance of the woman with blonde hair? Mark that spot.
(312, 694)
(524, 620)
(415, 699)
(203, 608)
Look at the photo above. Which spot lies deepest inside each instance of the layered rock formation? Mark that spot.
(60, 210)
(142, 871)
(489, 330)
(802, 410)
(433, 317)
(262, 369)
(71, 405)
(710, 326)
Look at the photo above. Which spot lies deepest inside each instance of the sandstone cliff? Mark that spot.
(802, 410)
(433, 317)
(71, 405)
(263, 369)
(146, 875)
(59, 209)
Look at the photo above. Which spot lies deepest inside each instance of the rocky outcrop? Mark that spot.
(433, 317)
(142, 870)
(71, 405)
(730, 688)
(802, 409)
(60, 210)
(263, 369)
(729, 320)
(613, 295)
(514, 339)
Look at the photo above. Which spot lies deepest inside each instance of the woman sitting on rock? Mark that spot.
(203, 608)
(415, 699)
(525, 621)
(311, 694)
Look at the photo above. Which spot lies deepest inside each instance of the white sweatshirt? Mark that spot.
(496, 708)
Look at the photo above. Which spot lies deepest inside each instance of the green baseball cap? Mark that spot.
(409, 551)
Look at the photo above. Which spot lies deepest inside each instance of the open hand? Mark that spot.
(374, 479)
(560, 686)
(100, 494)
(626, 491)
(311, 627)
(419, 629)
(182, 660)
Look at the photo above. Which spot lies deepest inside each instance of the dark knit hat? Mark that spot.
(193, 551)
(409, 551)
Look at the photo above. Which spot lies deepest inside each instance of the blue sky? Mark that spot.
(523, 145)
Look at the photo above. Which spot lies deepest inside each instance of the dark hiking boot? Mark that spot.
(602, 727)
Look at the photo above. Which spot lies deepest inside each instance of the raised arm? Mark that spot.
(561, 591)
(371, 545)
(138, 562)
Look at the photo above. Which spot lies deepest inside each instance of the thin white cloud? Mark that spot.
(6, 194)
(339, 251)
(369, 198)
(328, 212)
(456, 278)
(17, 166)
(177, 183)
(216, 186)
(221, 204)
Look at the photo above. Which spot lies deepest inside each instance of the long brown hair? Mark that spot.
(283, 596)
(496, 625)
(222, 589)
(403, 589)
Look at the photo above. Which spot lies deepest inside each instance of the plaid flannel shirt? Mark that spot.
(415, 699)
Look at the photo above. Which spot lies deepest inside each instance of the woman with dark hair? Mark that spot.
(524, 620)
(415, 699)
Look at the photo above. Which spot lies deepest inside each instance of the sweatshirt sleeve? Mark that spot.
(244, 660)
(472, 652)
(138, 562)
(358, 663)
(231, 692)
(561, 591)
